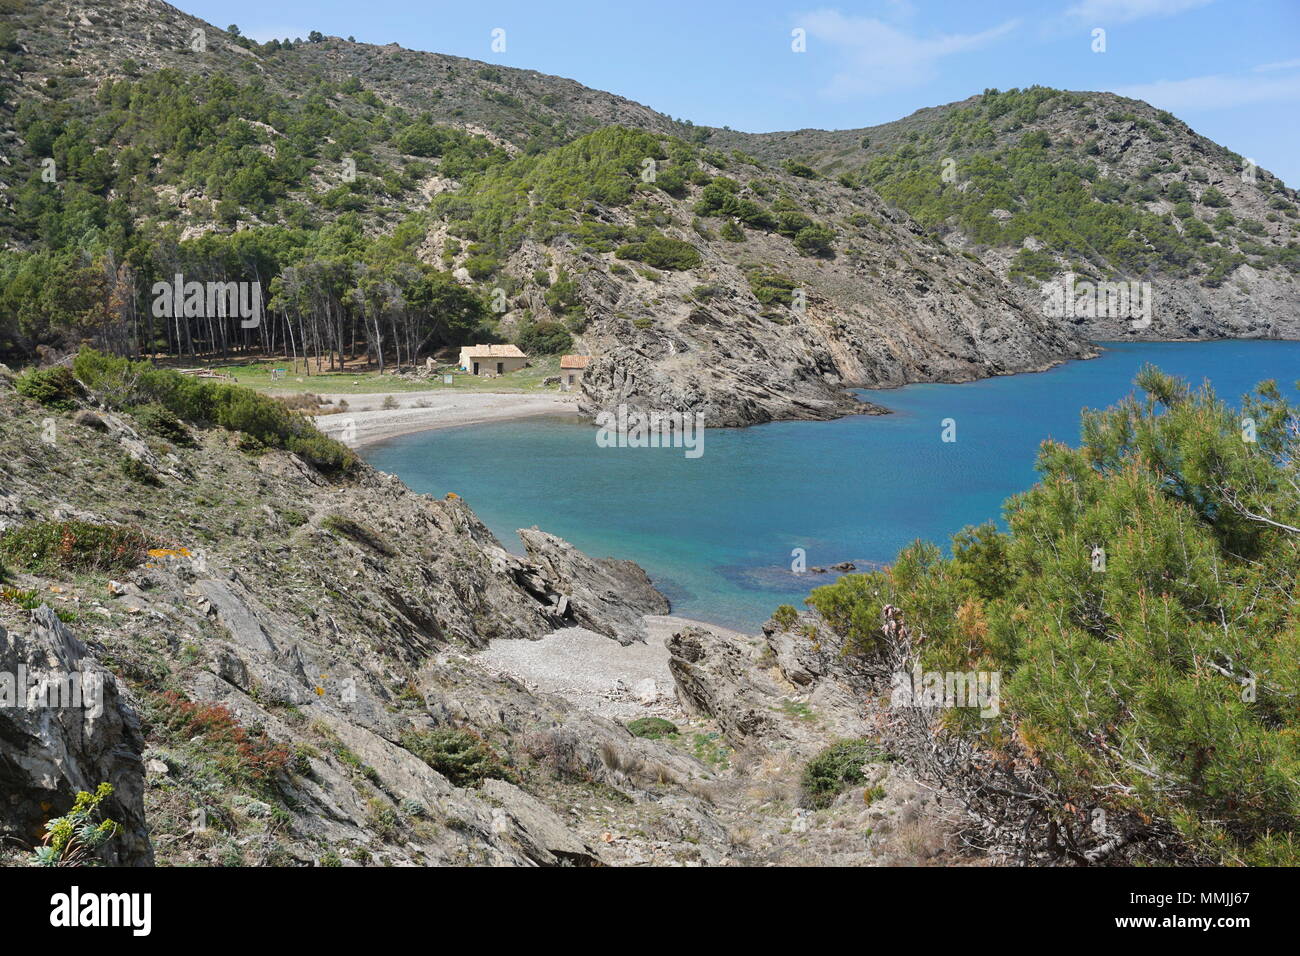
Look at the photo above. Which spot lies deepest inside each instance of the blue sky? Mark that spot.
(1230, 68)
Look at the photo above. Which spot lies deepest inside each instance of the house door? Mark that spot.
(476, 368)
(501, 367)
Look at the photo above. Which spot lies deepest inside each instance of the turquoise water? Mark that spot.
(716, 532)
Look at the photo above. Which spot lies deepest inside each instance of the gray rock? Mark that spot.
(604, 595)
(50, 753)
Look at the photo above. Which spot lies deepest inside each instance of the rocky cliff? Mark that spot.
(290, 674)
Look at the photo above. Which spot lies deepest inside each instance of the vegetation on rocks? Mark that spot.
(1139, 609)
(52, 547)
(836, 769)
(462, 756)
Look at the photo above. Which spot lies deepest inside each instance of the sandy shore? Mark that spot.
(366, 421)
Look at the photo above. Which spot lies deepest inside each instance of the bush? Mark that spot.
(545, 338)
(52, 387)
(47, 547)
(462, 756)
(242, 756)
(137, 471)
(815, 240)
(122, 383)
(785, 617)
(1158, 688)
(651, 728)
(836, 769)
(164, 424)
(661, 252)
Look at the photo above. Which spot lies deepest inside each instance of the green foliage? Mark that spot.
(651, 728)
(1213, 197)
(1057, 195)
(125, 384)
(242, 756)
(53, 387)
(785, 617)
(771, 288)
(462, 756)
(1160, 685)
(661, 252)
(74, 838)
(799, 169)
(836, 769)
(136, 470)
(50, 547)
(544, 338)
(815, 240)
(539, 196)
(1032, 263)
(164, 424)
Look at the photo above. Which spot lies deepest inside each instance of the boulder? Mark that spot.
(55, 745)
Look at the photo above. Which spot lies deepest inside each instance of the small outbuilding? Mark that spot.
(572, 368)
(492, 359)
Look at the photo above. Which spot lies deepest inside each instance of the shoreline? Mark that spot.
(369, 423)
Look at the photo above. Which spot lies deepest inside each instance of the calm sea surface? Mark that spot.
(716, 532)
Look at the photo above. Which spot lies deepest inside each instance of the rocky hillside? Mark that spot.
(745, 277)
(1040, 181)
(701, 279)
(289, 657)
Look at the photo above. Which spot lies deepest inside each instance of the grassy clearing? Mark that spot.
(257, 376)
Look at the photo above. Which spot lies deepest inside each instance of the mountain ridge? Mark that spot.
(766, 286)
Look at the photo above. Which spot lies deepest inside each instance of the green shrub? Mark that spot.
(815, 240)
(356, 531)
(52, 387)
(462, 756)
(46, 547)
(785, 617)
(1159, 688)
(545, 338)
(122, 383)
(661, 252)
(74, 838)
(139, 472)
(836, 769)
(164, 424)
(652, 728)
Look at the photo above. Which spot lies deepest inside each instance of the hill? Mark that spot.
(1039, 181)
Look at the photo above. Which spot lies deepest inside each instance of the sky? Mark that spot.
(1229, 68)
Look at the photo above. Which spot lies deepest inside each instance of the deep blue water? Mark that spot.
(716, 532)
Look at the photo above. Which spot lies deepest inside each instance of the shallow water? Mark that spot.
(716, 532)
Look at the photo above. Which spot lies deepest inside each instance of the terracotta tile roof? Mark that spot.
(574, 361)
(492, 351)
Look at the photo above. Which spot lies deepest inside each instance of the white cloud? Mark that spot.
(1126, 11)
(881, 57)
(1280, 65)
(1216, 92)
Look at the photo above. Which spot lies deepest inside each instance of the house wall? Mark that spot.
(488, 366)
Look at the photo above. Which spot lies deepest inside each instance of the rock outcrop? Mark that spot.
(65, 727)
(605, 595)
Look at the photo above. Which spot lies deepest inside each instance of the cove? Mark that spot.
(716, 532)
